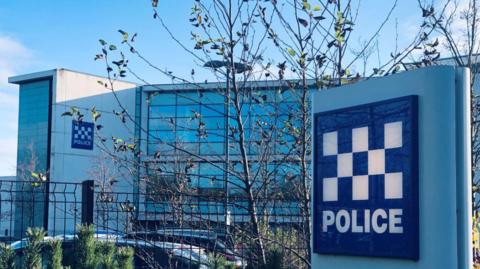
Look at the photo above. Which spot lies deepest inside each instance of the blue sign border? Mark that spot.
(413, 249)
(77, 145)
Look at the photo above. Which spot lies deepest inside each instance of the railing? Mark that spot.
(190, 228)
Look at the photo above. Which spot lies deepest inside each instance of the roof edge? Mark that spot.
(51, 73)
(32, 76)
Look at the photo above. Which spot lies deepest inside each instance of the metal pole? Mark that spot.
(87, 201)
(227, 149)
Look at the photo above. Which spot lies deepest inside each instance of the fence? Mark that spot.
(193, 229)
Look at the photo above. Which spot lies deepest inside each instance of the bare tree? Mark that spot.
(237, 41)
(455, 25)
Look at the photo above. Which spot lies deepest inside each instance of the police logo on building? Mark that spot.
(366, 180)
(82, 135)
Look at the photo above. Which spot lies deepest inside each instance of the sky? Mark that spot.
(47, 34)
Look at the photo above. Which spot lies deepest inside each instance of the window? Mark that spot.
(213, 110)
(187, 111)
(184, 98)
(162, 99)
(162, 111)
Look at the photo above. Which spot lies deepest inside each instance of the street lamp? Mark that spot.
(239, 68)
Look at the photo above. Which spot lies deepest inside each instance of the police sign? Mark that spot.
(82, 135)
(366, 180)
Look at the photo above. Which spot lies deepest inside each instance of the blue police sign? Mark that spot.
(366, 180)
(82, 135)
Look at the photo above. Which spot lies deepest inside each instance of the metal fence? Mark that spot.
(167, 230)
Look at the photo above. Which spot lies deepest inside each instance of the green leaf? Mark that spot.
(96, 115)
(67, 113)
(35, 175)
(102, 42)
(131, 146)
(291, 52)
(112, 47)
(306, 5)
(124, 35)
(317, 8)
(117, 140)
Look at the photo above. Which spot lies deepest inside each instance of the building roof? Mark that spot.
(32, 76)
(50, 73)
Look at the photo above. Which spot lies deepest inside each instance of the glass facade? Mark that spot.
(33, 151)
(186, 123)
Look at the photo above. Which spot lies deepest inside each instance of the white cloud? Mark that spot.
(457, 26)
(14, 58)
(8, 156)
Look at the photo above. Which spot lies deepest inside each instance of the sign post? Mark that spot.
(392, 176)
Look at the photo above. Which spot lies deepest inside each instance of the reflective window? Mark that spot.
(162, 111)
(195, 122)
(162, 99)
(213, 110)
(187, 110)
(32, 154)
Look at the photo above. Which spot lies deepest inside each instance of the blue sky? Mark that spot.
(47, 34)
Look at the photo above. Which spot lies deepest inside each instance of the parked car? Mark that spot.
(147, 254)
(206, 239)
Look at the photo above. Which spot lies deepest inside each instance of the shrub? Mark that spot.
(124, 258)
(7, 257)
(56, 255)
(85, 248)
(219, 262)
(33, 251)
(91, 254)
(105, 255)
(275, 259)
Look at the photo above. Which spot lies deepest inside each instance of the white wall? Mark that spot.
(72, 89)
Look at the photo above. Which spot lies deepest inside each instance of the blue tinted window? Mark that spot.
(162, 111)
(160, 124)
(213, 110)
(214, 136)
(187, 110)
(187, 123)
(33, 134)
(164, 136)
(184, 98)
(212, 98)
(214, 122)
(187, 136)
(162, 99)
(212, 148)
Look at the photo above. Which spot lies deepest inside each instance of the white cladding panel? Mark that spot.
(67, 164)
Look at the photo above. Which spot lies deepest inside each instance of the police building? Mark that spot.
(73, 150)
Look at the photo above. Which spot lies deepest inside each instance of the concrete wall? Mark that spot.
(71, 165)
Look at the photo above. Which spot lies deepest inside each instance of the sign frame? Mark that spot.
(410, 208)
(75, 143)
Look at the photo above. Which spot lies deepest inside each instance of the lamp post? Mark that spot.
(239, 68)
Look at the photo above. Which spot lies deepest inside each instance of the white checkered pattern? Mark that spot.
(376, 163)
(82, 132)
